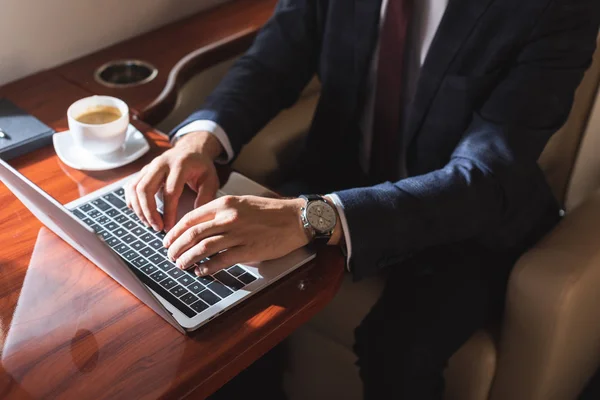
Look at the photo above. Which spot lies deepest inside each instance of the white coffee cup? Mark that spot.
(98, 138)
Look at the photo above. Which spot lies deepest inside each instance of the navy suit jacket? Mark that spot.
(498, 81)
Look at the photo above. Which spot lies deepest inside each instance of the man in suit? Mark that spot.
(431, 119)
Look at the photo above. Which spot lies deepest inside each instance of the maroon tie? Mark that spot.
(388, 95)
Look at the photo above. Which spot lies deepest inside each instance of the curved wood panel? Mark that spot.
(190, 65)
(69, 331)
(231, 24)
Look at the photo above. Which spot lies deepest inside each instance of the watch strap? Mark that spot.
(321, 240)
(312, 197)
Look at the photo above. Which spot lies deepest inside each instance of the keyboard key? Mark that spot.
(148, 269)
(140, 262)
(121, 248)
(101, 204)
(138, 231)
(158, 276)
(163, 251)
(121, 218)
(189, 298)
(127, 211)
(209, 297)
(112, 213)
(178, 290)
(168, 283)
(130, 255)
(129, 225)
(247, 278)
(175, 272)
(88, 221)
(128, 238)
(205, 280)
(120, 192)
(114, 200)
(156, 244)
(236, 270)
(112, 226)
(120, 232)
(166, 265)
(86, 207)
(146, 252)
(96, 228)
(160, 235)
(137, 245)
(105, 235)
(220, 289)
(156, 258)
(229, 280)
(94, 213)
(102, 220)
(147, 237)
(158, 288)
(185, 280)
(196, 287)
(78, 214)
(113, 241)
(199, 306)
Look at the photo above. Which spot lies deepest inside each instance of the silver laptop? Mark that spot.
(102, 228)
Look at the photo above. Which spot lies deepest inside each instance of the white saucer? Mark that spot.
(76, 157)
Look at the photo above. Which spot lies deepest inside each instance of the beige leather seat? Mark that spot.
(549, 342)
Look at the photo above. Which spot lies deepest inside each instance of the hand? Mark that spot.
(236, 229)
(190, 162)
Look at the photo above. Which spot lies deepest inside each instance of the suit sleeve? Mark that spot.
(268, 78)
(491, 191)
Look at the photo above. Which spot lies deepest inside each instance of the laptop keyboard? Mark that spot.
(142, 250)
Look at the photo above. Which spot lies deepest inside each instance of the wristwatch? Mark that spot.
(318, 218)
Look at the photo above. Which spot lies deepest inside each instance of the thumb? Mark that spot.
(219, 261)
(207, 192)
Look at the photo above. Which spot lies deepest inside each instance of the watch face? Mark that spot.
(321, 216)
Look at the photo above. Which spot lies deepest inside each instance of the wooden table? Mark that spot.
(68, 330)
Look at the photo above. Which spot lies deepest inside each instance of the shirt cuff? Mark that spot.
(211, 127)
(342, 215)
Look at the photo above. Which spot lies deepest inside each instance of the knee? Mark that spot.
(398, 351)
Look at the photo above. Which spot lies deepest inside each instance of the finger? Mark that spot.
(131, 197)
(206, 193)
(146, 189)
(129, 188)
(172, 192)
(232, 256)
(194, 217)
(191, 237)
(205, 248)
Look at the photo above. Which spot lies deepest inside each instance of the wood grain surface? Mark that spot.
(67, 330)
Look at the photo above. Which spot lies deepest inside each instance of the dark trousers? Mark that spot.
(592, 389)
(430, 306)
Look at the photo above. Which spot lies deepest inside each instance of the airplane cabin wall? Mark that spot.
(40, 34)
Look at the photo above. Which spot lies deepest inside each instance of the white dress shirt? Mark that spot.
(424, 24)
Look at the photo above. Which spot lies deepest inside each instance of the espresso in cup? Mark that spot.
(99, 124)
(99, 115)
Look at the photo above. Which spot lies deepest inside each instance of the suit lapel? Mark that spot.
(458, 22)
